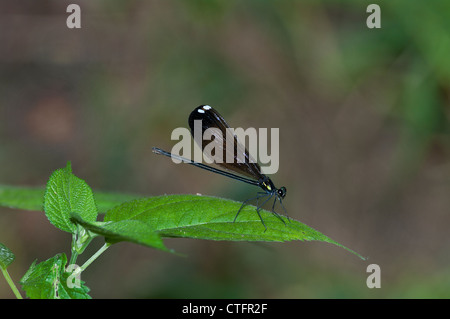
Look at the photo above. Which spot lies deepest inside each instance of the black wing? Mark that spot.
(242, 163)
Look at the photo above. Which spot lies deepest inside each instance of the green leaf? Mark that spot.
(66, 194)
(29, 198)
(6, 256)
(212, 218)
(125, 230)
(66, 292)
(48, 280)
(106, 201)
(32, 198)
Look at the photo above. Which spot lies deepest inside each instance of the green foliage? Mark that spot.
(70, 206)
(66, 194)
(48, 280)
(6, 259)
(32, 198)
(211, 218)
(6, 256)
(28, 198)
(127, 230)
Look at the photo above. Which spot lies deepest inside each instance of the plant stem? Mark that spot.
(95, 256)
(11, 284)
(91, 260)
(74, 253)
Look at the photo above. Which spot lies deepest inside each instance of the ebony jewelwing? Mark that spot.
(246, 166)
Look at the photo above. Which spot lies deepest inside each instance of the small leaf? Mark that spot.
(6, 256)
(66, 194)
(125, 230)
(212, 218)
(32, 198)
(48, 280)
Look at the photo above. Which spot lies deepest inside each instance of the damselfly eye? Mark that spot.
(282, 192)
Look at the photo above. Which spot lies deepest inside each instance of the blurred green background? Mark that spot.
(364, 128)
